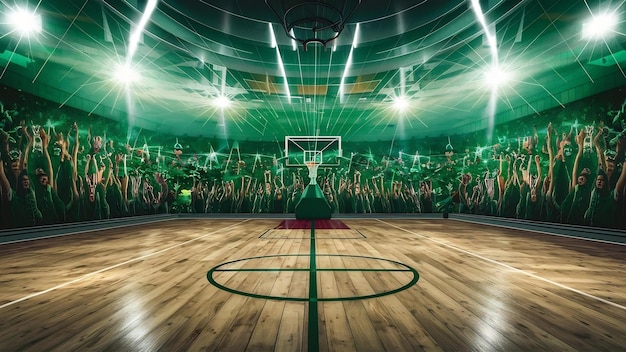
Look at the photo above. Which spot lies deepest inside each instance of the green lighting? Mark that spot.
(600, 26)
(15, 58)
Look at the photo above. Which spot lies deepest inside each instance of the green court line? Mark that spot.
(308, 238)
(264, 236)
(313, 299)
(309, 299)
(365, 270)
(307, 269)
(313, 334)
(262, 269)
(306, 255)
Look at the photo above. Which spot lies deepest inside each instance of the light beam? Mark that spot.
(493, 47)
(136, 35)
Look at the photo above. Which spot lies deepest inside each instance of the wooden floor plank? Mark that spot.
(407, 327)
(361, 325)
(145, 287)
(265, 332)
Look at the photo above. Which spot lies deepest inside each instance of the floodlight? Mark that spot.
(600, 26)
(125, 74)
(400, 103)
(222, 102)
(496, 76)
(25, 22)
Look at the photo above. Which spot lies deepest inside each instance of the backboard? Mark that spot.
(323, 150)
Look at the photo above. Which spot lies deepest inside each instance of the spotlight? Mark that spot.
(400, 103)
(222, 102)
(496, 77)
(600, 26)
(125, 74)
(25, 22)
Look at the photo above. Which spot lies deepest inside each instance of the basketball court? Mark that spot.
(347, 284)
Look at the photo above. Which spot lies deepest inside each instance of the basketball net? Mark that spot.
(312, 166)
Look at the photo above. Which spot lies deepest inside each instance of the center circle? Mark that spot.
(404, 274)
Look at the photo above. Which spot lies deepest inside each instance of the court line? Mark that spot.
(313, 343)
(80, 278)
(311, 296)
(87, 230)
(493, 261)
(538, 231)
(365, 270)
(264, 232)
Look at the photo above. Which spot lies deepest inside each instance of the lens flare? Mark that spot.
(26, 23)
(600, 26)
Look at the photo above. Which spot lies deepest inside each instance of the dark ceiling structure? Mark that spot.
(433, 54)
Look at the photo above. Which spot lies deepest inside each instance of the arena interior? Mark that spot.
(348, 175)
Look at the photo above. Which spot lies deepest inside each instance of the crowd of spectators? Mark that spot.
(59, 166)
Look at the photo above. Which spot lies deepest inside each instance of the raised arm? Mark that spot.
(23, 164)
(509, 165)
(526, 176)
(551, 161)
(88, 157)
(45, 140)
(248, 184)
(375, 185)
(89, 141)
(599, 144)
(538, 165)
(514, 174)
(580, 139)
(621, 181)
(76, 146)
(5, 185)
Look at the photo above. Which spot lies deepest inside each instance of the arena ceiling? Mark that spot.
(433, 53)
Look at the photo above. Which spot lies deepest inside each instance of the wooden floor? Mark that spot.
(147, 288)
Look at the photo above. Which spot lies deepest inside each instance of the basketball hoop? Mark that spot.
(312, 166)
(320, 21)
